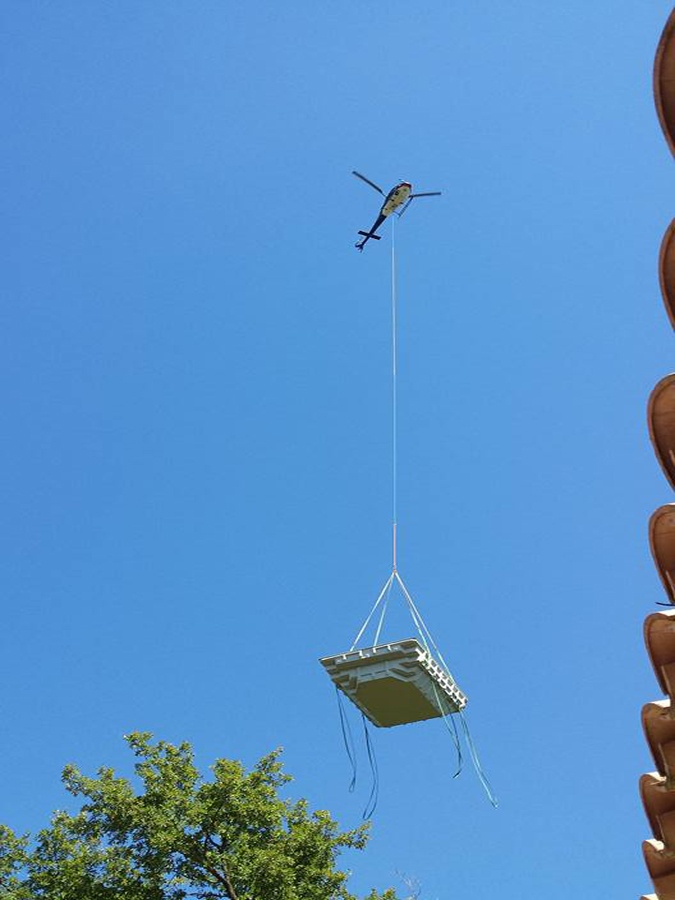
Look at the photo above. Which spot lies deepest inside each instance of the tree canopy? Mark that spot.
(174, 835)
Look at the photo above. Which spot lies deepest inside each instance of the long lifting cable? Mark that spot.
(394, 399)
(383, 597)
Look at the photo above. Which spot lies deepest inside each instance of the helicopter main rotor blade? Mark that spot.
(410, 200)
(368, 181)
(428, 194)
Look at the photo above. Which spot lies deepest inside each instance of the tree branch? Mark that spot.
(224, 877)
(224, 880)
(228, 885)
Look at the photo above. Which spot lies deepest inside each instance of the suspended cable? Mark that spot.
(347, 738)
(384, 611)
(358, 637)
(425, 634)
(371, 805)
(476, 762)
(451, 728)
(394, 398)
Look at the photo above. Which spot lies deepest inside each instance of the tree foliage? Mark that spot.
(181, 836)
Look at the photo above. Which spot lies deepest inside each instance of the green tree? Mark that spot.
(181, 836)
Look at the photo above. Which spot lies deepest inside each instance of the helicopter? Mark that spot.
(400, 195)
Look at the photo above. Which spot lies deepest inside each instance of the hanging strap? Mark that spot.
(371, 805)
(347, 738)
(476, 762)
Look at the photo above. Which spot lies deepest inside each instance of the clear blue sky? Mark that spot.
(194, 366)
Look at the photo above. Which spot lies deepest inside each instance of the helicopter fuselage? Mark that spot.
(396, 197)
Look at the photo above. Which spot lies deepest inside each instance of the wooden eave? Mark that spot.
(667, 271)
(659, 729)
(659, 804)
(661, 422)
(662, 545)
(664, 81)
(659, 633)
